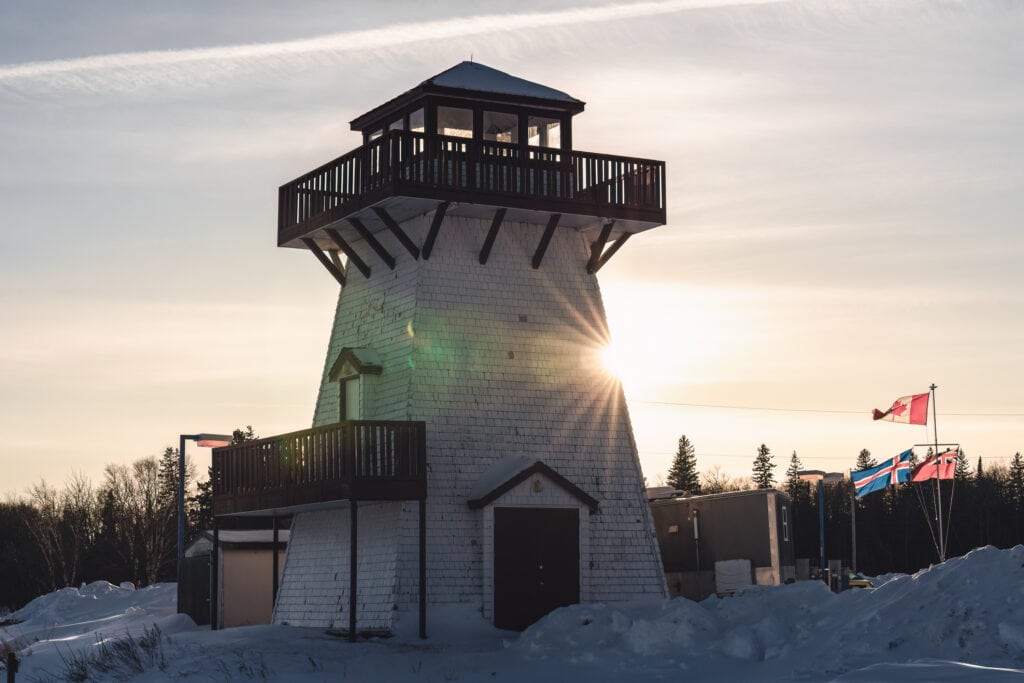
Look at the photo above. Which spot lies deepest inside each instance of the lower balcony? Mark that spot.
(364, 460)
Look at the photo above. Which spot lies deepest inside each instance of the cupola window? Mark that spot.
(501, 126)
(455, 122)
(544, 132)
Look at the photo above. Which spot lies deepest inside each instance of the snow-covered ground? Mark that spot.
(959, 621)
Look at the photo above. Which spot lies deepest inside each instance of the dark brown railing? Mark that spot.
(360, 460)
(406, 160)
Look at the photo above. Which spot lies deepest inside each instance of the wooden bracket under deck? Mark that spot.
(492, 235)
(545, 239)
(610, 251)
(384, 254)
(353, 257)
(435, 227)
(397, 231)
(332, 265)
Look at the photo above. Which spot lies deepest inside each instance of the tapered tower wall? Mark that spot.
(499, 359)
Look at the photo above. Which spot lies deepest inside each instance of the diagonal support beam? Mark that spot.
(492, 235)
(597, 247)
(545, 239)
(368, 237)
(333, 253)
(435, 227)
(353, 257)
(332, 268)
(610, 251)
(396, 229)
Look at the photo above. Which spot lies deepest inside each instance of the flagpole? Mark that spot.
(938, 478)
(853, 525)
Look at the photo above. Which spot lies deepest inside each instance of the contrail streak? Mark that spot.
(104, 72)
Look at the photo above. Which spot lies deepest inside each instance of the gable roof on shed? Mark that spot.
(513, 470)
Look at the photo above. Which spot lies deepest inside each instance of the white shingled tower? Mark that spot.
(465, 339)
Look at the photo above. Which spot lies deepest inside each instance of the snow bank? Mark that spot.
(959, 621)
(970, 609)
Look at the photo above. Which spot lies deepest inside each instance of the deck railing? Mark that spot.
(404, 159)
(362, 460)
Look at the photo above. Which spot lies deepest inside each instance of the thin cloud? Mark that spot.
(133, 70)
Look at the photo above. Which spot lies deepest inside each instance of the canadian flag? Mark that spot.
(907, 409)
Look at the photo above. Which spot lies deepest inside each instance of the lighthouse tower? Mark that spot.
(467, 445)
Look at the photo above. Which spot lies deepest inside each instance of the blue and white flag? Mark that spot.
(892, 471)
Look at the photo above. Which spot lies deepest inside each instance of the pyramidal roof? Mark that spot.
(476, 76)
(466, 78)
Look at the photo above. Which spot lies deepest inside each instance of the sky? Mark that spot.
(845, 192)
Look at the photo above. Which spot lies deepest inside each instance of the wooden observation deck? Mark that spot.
(471, 141)
(363, 460)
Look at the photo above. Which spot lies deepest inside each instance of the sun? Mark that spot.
(636, 365)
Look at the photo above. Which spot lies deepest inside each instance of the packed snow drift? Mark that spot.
(962, 620)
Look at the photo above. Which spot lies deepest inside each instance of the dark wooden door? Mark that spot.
(536, 563)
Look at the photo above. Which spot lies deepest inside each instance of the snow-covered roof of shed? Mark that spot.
(511, 470)
(500, 472)
(476, 76)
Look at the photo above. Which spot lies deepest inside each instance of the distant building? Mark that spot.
(245, 566)
(696, 532)
(812, 476)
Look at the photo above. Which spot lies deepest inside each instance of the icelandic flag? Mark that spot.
(906, 409)
(892, 471)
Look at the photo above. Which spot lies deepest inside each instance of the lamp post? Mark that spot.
(207, 441)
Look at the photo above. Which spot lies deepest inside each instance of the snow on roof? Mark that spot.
(476, 76)
(251, 535)
(204, 543)
(500, 472)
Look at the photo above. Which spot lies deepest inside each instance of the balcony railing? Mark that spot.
(461, 169)
(347, 460)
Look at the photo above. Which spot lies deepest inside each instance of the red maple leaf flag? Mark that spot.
(907, 409)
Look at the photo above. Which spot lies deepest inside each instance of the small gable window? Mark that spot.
(355, 371)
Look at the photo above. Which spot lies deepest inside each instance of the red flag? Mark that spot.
(907, 409)
(942, 466)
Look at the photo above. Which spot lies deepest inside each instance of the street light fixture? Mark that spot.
(206, 441)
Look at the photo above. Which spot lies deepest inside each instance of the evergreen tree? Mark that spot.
(864, 460)
(242, 435)
(979, 473)
(764, 468)
(1015, 485)
(963, 468)
(201, 506)
(795, 486)
(682, 475)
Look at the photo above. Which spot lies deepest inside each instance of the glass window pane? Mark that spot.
(375, 134)
(416, 121)
(544, 132)
(352, 411)
(501, 127)
(396, 125)
(455, 121)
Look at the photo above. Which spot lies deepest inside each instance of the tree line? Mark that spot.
(122, 529)
(896, 529)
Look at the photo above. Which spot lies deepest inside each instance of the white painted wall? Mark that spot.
(498, 359)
